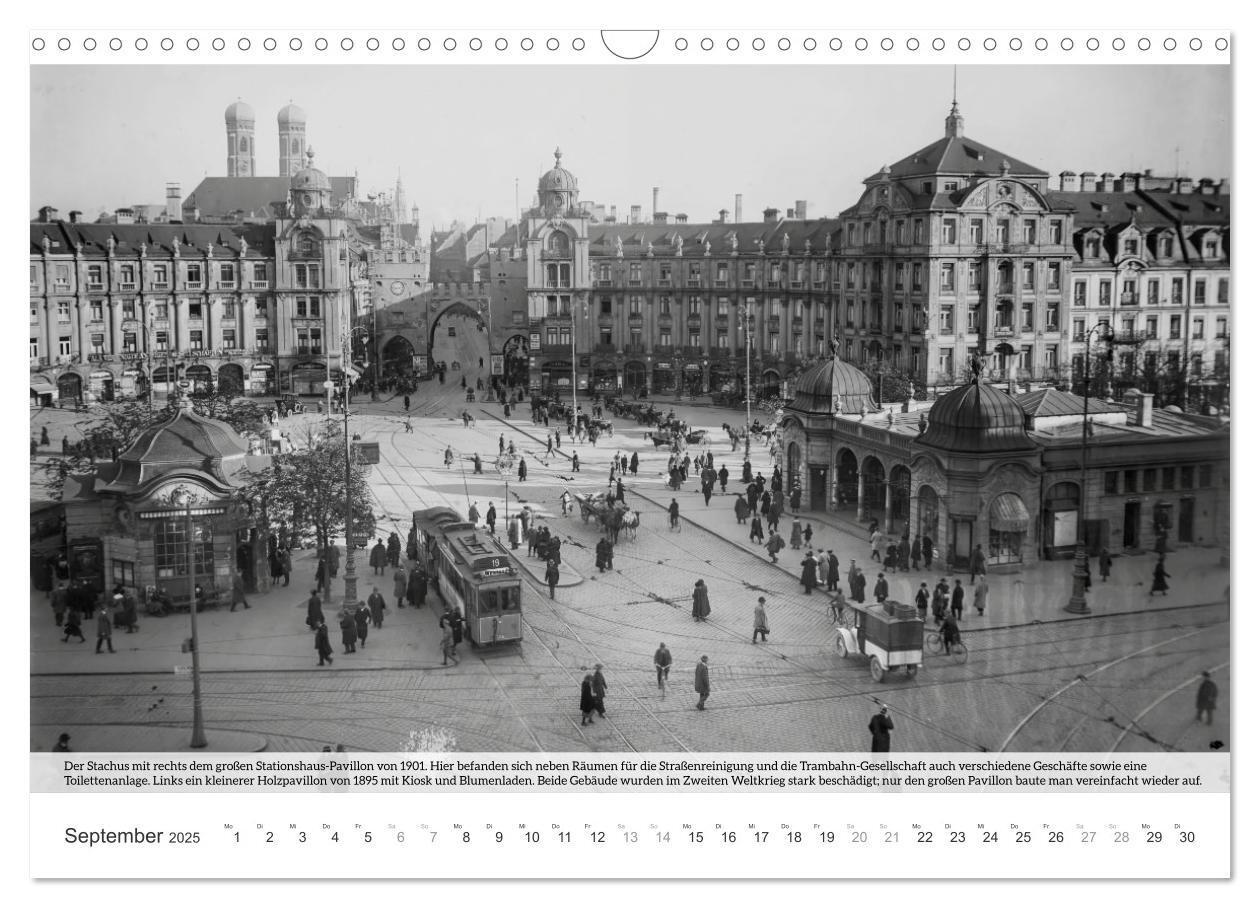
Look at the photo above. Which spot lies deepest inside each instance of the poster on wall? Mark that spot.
(420, 362)
(496, 363)
(1064, 528)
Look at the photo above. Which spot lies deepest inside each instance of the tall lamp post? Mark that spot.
(348, 374)
(1077, 604)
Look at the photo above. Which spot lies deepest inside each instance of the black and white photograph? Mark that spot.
(672, 409)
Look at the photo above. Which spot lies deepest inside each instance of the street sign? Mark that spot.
(183, 669)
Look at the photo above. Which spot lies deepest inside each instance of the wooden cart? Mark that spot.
(888, 634)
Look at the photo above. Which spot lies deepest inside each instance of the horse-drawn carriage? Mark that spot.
(613, 517)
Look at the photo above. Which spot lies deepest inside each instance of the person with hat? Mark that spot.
(760, 625)
(552, 576)
(702, 681)
(662, 660)
(833, 571)
(1205, 699)
(881, 727)
(599, 687)
(104, 629)
(63, 744)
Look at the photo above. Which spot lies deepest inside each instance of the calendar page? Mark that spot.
(596, 444)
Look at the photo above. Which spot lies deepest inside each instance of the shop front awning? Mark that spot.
(1008, 514)
(41, 385)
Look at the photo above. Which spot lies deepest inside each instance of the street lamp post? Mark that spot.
(351, 577)
(746, 319)
(1077, 604)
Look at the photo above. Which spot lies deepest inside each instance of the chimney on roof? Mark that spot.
(47, 214)
(791, 214)
(660, 217)
(739, 208)
(612, 213)
(1205, 186)
(636, 213)
(1128, 182)
(722, 216)
(680, 219)
(1183, 185)
(1089, 181)
(770, 216)
(124, 216)
(1067, 181)
(1222, 186)
(1108, 182)
(75, 216)
(1139, 180)
(800, 208)
(1145, 404)
(656, 199)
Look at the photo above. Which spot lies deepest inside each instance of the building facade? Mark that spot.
(245, 308)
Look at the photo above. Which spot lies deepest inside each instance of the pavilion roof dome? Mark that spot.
(187, 443)
(976, 418)
(833, 386)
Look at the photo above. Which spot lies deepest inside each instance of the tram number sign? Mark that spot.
(494, 572)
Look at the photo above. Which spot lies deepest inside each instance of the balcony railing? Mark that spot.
(129, 286)
(747, 282)
(797, 285)
(636, 318)
(694, 321)
(160, 285)
(308, 351)
(225, 285)
(1003, 331)
(258, 285)
(192, 285)
(774, 283)
(1128, 299)
(721, 282)
(693, 282)
(634, 283)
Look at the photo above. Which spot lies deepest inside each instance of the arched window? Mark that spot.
(558, 242)
(297, 147)
(306, 244)
(244, 144)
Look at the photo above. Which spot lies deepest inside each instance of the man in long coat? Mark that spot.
(334, 559)
(881, 588)
(809, 573)
(552, 576)
(400, 587)
(702, 680)
(857, 587)
(314, 611)
(880, 727)
(417, 586)
(833, 570)
(491, 517)
(700, 602)
(362, 615)
(393, 550)
(956, 600)
(379, 558)
(349, 633)
(322, 646)
(376, 603)
(760, 624)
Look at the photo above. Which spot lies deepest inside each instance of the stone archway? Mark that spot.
(771, 383)
(793, 465)
(846, 480)
(397, 358)
(516, 360)
(635, 378)
(201, 377)
(70, 387)
(458, 338)
(929, 513)
(231, 380)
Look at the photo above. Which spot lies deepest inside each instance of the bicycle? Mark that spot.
(934, 642)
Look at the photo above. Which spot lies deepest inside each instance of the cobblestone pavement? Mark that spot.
(1123, 678)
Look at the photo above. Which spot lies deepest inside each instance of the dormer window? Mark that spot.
(1165, 247)
(558, 243)
(1211, 249)
(1131, 245)
(1093, 247)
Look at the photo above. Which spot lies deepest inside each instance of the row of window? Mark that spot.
(1000, 231)
(1151, 327)
(1129, 292)
(308, 337)
(304, 307)
(193, 273)
(1165, 479)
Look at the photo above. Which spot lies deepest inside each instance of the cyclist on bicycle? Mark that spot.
(673, 513)
(950, 634)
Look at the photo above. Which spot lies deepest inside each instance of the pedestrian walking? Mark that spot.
(808, 534)
(795, 539)
(376, 603)
(406, 408)
(877, 545)
(809, 573)
(956, 600)
(72, 627)
(774, 546)
(314, 611)
(104, 629)
(448, 458)
(1204, 699)
(492, 516)
(662, 660)
(980, 598)
(552, 576)
(587, 702)
(362, 616)
(881, 727)
(921, 600)
(1160, 583)
(393, 550)
(474, 515)
(916, 551)
(857, 587)
(417, 586)
(702, 681)
(599, 687)
(514, 533)
(700, 602)
(238, 591)
(1104, 564)
(634, 464)
(881, 588)
(449, 653)
(378, 558)
(321, 573)
(400, 588)
(833, 571)
(286, 563)
(522, 470)
(577, 464)
(760, 624)
(349, 634)
(322, 645)
(757, 535)
(978, 562)
(927, 552)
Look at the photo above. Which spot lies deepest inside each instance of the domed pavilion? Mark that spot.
(126, 521)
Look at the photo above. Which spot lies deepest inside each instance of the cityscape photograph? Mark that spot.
(610, 408)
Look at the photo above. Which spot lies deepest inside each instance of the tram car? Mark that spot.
(473, 571)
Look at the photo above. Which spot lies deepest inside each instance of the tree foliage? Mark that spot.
(893, 385)
(306, 490)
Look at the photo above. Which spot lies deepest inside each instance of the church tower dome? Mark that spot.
(292, 124)
(239, 120)
(557, 189)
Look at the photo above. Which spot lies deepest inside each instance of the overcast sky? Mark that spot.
(107, 136)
